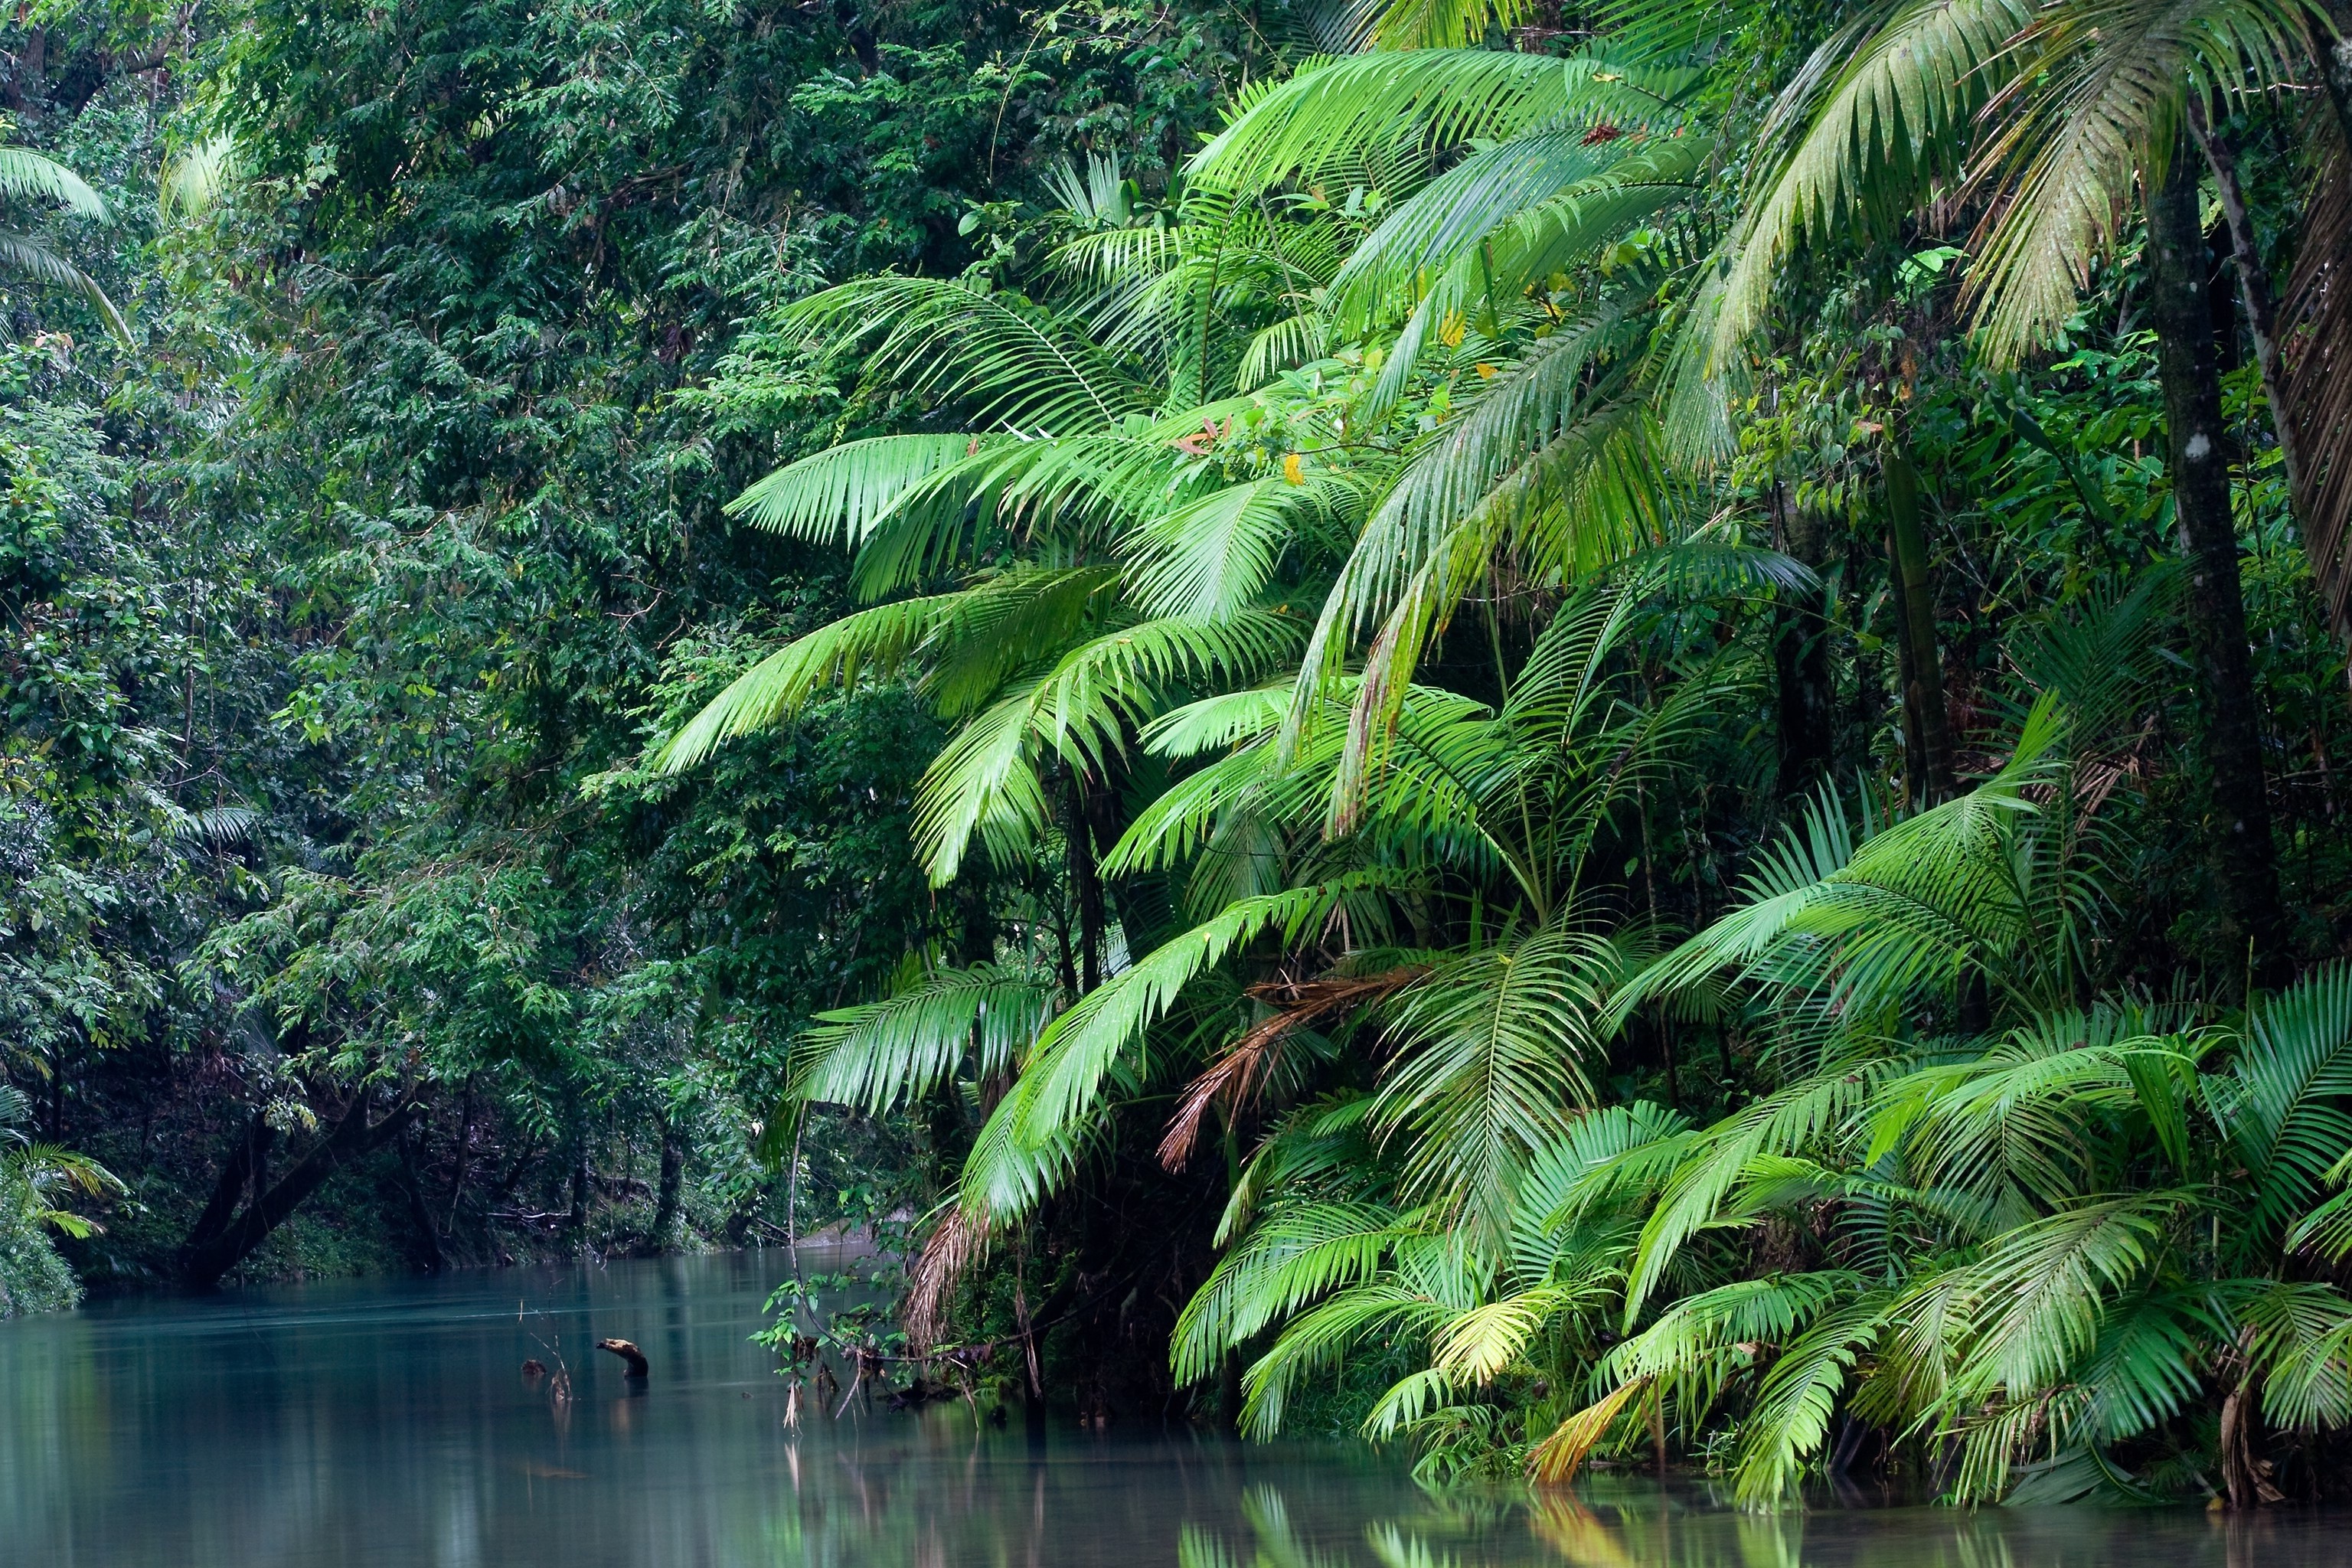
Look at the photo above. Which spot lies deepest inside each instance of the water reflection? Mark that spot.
(390, 1422)
(1648, 1526)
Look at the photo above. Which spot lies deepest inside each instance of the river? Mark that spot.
(387, 1421)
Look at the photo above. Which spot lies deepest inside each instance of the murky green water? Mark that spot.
(385, 1422)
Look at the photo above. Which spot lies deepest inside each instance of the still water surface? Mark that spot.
(385, 1422)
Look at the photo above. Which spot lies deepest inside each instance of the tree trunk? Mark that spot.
(2318, 326)
(851, 19)
(673, 1183)
(428, 1237)
(2255, 294)
(204, 1262)
(581, 1179)
(1800, 654)
(241, 1171)
(2245, 869)
(1927, 725)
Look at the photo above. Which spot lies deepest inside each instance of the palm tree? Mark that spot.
(2058, 119)
(33, 1278)
(27, 176)
(1155, 464)
(1448, 336)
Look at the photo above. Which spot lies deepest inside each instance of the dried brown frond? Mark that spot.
(957, 1243)
(1235, 1078)
(2317, 324)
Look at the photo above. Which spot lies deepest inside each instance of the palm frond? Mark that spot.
(890, 1052)
(35, 258)
(1010, 363)
(1061, 1079)
(775, 689)
(1879, 112)
(26, 175)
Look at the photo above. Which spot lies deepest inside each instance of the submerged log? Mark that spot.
(627, 1353)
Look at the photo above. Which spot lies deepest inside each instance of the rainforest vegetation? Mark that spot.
(1575, 736)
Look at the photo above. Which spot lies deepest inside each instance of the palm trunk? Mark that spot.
(1800, 654)
(1926, 726)
(2244, 863)
(578, 1218)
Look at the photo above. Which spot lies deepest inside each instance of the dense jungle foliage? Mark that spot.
(1577, 736)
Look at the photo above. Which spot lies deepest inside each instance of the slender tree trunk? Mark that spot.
(1927, 725)
(580, 1178)
(464, 1151)
(2244, 862)
(352, 1138)
(667, 1195)
(428, 1239)
(2255, 294)
(1800, 654)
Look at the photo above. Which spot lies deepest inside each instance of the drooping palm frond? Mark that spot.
(1918, 905)
(1012, 365)
(772, 690)
(844, 491)
(2039, 1295)
(1483, 282)
(1560, 174)
(1714, 1167)
(1790, 1421)
(2109, 80)
(2018, 1120)
(2299, 1340)
(2290, 1116)
(1880, 110)
(1331, 114)
(193, 182)
(1060, 1083)
(42, 1169)
(890, 1052)
(36, 259)
(1593, 496)
(1290, 1260)
(1213, 555)
(1315, 1343)
(1079, 709)
(1444, 24)
(26, 175)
